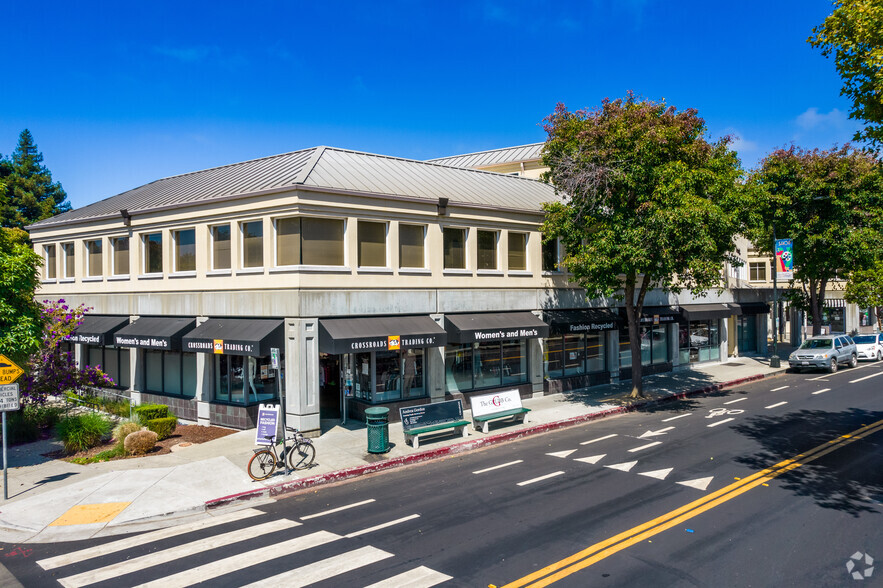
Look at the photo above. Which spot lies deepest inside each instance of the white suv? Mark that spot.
(824, 352)
(869, 346)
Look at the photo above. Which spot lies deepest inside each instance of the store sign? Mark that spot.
(267, 424)
(143, 342)
(394, 343)
(785, 259)
(85, 338)
(9, 371)
(498, 334)
(659, 318)
(491, 403)
(583, 327)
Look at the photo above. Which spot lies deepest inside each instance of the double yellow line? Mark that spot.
(608, 547)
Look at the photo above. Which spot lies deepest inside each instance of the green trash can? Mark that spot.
(377, 418)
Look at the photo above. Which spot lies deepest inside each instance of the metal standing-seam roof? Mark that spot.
(320, 168)
(483, 159)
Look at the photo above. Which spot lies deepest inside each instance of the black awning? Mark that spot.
(705, 312)
(225, 336)
(654, 314)
(98, 330)
(154, 333)
(379, 333)
(562, 322)
(751, 307)
(494, 326)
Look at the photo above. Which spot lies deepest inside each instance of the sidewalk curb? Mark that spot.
(361, 470)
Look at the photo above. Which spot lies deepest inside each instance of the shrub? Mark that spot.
(148, 412)
(122, 430)
(25, 425)
(82, 431)
(139, 442)
(163, 427)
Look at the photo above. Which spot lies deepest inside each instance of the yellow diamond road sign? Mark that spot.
(9, 372)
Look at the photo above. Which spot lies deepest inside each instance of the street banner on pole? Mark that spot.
(785, 259)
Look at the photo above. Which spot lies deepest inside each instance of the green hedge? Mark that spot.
(162, 427)
(149, 412)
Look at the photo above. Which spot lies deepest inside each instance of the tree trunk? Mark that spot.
(814, 308)
(633, 310)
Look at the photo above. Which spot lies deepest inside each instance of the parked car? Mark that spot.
(869, 346)
(824, 352)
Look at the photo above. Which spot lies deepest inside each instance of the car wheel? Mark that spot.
(833, 367)
(853, 361)
(879, 355)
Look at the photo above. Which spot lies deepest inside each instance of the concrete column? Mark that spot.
(724, 332)
(204, 383)
(535, 362)
(435, 366)
(613, 354)
(674, 351)
(301, 384)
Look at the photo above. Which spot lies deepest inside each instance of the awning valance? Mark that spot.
(705, 312)
(654, 314)
(563, 322)
(163, 333)
(225, 336)
(379, 333)
(98, 330)
(751, 307)
(494, 326)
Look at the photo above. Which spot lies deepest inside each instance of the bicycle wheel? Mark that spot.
(262, 465)
(301, 455)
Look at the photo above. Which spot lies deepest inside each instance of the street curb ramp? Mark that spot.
(449, 450)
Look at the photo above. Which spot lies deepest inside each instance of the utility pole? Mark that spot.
(774, 358)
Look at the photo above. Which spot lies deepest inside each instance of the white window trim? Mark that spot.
(256, 269)
(417, 270)
(213, 271)
(175, 272)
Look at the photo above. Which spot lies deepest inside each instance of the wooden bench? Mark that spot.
(491, 407)
(432, 418)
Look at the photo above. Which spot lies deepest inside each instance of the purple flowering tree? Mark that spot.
(52, 371)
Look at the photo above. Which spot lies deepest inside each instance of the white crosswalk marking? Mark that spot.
(421, 577)
(327, 568)
(160, 557)
(78, 556)
(383, 525)
(240, 561)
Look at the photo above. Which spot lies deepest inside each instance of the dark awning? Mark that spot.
(654, 314)
(751, 307)
(706, 312)
(225, 336)
(154, 333)
(562, 322)
(350, 335)
(98, 330)
(494, 326)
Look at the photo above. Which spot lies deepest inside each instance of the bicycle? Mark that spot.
(265, 460)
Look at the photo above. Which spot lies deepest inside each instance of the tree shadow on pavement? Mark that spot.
(849, 479)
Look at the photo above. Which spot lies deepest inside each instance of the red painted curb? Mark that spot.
(361, 470)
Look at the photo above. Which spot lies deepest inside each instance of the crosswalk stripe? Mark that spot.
(240, 561)
(338, 509)
(382, 526)
(144, 539)
(326, 568)
(421, 577)
(173, 553)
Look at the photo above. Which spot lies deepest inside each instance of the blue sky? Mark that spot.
(118, 94)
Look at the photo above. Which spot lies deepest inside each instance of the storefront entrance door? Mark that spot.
(329, 386)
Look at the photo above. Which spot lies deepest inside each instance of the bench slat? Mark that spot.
(438, 427)
(502, 414)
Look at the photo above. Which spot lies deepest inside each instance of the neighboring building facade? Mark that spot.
(365, 279)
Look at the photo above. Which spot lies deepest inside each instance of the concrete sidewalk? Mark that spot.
(53, 500)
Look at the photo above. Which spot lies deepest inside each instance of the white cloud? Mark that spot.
(812, 119)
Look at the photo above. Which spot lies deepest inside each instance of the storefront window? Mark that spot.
(113, 361)
(553, 357)
(595, 352)
(654, 345)
(574, 354)
(660, 344)
(170, 373)
(397, 375)
(243, 379)
(700, 341)
(487, 364)
(746, 329)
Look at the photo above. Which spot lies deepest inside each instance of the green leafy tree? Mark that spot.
(829, 203)
(30, 194)
(865, 288)
(644, 203)
(21, 322)
(853, 34)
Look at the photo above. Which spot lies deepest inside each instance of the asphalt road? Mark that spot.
(775, 483)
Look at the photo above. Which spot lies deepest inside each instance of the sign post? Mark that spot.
(9, 400)
(274, 364)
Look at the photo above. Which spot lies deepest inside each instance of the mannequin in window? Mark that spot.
(252, 370)
(409, 372)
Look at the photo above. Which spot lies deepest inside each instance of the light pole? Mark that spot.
(774, 358)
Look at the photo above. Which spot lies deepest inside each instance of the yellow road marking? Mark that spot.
(84, 514)
(591, 555)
